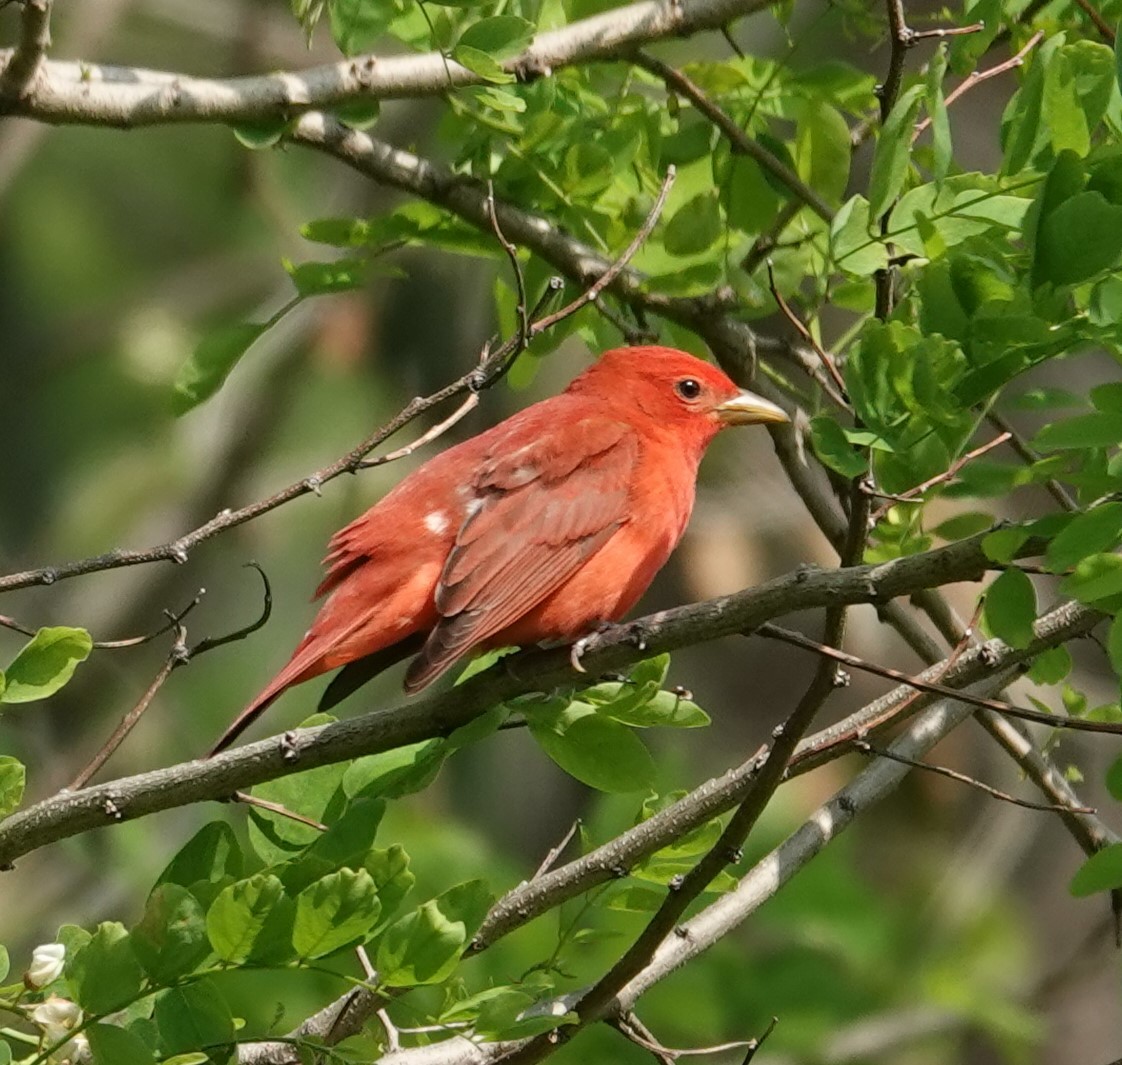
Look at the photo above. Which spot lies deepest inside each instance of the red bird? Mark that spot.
(552, 522)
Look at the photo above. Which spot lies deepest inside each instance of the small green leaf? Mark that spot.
(1101, 872)
(317, 279)
(500, 37)
(238, 917)
(257, 136)
(334, 911)
(1051, 666)
(1099, 529)
(192, 1017)
(212, 854)
(13, 777)
(315, 794)
(104, 974)
(1114, 644)
(170, 940)
(423, 947)
(893, 152)
(835, 451)
(211, 362)
(357, 24)
(1011, 608)
(1002, 545)
(1114, 779)
(1079, 239)
(481, 63)
(111, 1045)
(1084, 430)
(45, 664)
(695, 227)
(596, 750)
(1096, 577)
(392, 877)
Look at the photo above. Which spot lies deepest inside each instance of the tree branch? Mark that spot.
(18, 75)
(71, 813)
(127, 97)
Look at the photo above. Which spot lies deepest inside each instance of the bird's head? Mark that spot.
(674, 390)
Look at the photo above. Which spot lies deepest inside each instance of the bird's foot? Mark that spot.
(585, 644)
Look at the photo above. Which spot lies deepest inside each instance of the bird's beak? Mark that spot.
(746, 408)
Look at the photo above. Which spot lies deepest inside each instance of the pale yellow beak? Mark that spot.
(746, 408)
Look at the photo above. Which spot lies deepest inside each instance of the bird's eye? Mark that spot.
(688, 388)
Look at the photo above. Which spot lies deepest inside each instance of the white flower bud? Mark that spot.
(57, 1017)
(46, 965)
(77, 1051)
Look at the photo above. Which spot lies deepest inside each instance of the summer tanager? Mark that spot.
(539, 530)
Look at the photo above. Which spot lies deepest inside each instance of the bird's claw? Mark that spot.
(582, 646)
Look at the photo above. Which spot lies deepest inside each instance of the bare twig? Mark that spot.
(912, 494)
(176, 656)
(173, 619)
(277, 808)
(515, 266)
(976, 78)
(867, 748)
(1101, 24)
(555, 852)
(840, 396)
(1017, 442)
(741, 142)
(1078, 724)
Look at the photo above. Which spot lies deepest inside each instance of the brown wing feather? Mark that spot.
(540, 513)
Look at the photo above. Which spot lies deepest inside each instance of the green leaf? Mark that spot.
(193, 1017)
(257, 136)
(1114, 779)
(1050, 667)
(45, 664)
(423, 947)
(104, 974)
(1011, 608)
(315, 794)
(1084, 430)
(1002, 545)
(596, 750)
(937, 110)
(346, 843)
(823, 150)
(1099, 529)
(1108, 397)
(211, 362)
(111, 1045)
(170, 940)
(239, 917)
(500, 37)
(893, 152)
(1079, 239)
(211, 855)
(1101, 872)
(393, 879)
(1096, 577)
(398, 772)
(696, 225)
(357, 24)
(481, 63)
(13, 777)
(852, 248)
(334, 911)
(317, 279)
(1114, 644)
(834, 449)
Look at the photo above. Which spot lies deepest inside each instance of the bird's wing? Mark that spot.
(539, 512)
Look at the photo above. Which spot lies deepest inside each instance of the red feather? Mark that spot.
(541, 528)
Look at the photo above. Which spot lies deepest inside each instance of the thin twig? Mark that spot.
(592, 293)
(1078, 724)
(277, 808)
(174, 658)
(912, 493)
(173, 619)
(740, 141)
(976, 78)
(841, 397)
(515, 266)
(1101, 24)
(946, 31)
(880, 752)
(1017, 442)
(555, 852)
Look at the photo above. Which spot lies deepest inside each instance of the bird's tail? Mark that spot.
(301, 667)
